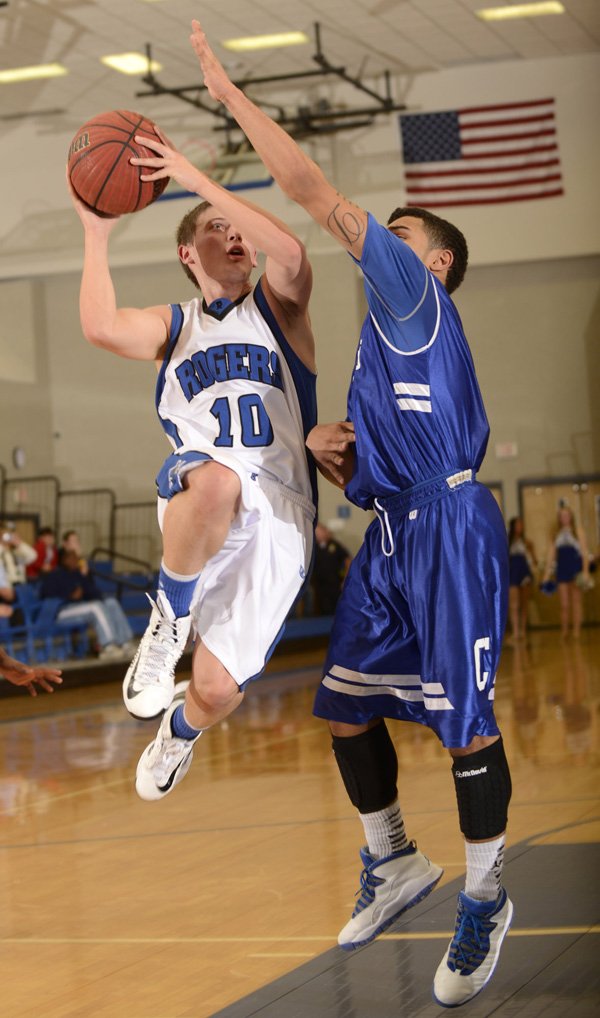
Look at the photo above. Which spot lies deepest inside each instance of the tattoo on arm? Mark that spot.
(345, 224)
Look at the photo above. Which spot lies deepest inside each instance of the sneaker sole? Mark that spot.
(491, 972)
(356, 944)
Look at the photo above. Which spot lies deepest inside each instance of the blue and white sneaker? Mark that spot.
(472, 956)
(389, 887)
(166, 761)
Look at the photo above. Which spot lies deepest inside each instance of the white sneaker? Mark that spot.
(389, 887)
(149, 684)
(165, 762)
(110, 652)
(469, 962)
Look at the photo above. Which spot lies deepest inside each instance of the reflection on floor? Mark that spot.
(114, 908)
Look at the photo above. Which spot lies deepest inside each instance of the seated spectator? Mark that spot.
(47, 554)
(15, 554)
(83, 602)
(70, 542)
(331, 563)
(7, 594)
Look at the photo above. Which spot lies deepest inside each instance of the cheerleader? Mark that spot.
(568, 556)
(521, 563)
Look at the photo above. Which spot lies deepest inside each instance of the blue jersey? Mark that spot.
(414, 397)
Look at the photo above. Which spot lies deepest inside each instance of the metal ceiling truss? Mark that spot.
(322, 118)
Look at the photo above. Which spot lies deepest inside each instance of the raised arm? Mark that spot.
(287, 268)
(137, 333)
(294, 171)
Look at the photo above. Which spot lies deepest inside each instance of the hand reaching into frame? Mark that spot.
(332, 446)
(22, 675)
(216, 78)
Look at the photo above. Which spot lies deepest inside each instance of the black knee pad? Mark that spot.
(369, 768)
(483, 790)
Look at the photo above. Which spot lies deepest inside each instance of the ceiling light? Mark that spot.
(131, 63)
(29, 73)
(521, 10)
(266, 41)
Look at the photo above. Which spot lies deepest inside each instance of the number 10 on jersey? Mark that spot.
(254, 423)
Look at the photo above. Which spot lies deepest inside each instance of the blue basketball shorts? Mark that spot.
(419, 625)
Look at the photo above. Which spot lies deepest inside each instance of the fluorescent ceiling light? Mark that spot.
(266, 41)
(30, 73)
(521, 10)
(131, 63)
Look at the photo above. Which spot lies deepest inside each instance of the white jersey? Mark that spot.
(232, 387)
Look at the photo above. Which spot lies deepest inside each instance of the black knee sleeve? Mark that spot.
(483, 790)
(369, 768)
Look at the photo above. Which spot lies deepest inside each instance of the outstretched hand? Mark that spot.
(332, 446)
(216, 79)
(22, 675)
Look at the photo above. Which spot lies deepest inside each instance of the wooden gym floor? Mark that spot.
(226, 897)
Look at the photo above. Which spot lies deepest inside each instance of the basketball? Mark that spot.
(99, 166)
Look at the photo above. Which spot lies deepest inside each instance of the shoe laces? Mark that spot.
(368, 884)
(157, 652)
(471, 942)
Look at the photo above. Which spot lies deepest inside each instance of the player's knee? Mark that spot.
(483, 791)
(215, 489)
(369, 768)
(214, 691)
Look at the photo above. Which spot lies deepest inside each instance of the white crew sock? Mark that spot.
(484, 868)
(384, 831)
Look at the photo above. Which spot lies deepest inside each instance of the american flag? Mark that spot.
(481, 155)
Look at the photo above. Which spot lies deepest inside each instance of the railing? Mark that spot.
(136, 532)
(90, 513)
(127, 528)
(32, 495)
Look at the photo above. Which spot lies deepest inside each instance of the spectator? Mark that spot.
(70, 542)
(83, 602)
(7, 594)
(47, 554)
(15, 554)
(331, 563)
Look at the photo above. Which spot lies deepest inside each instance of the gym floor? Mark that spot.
(226, 898)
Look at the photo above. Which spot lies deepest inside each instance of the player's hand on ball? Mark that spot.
(216, 78)
(167, 162)
(89, 218)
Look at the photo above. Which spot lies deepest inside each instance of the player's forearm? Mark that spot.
(97, 300)
(263, 230)
(294, 171)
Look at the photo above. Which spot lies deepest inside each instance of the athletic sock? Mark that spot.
(178, 589)
(384, 831)
(484, 868)
(180, 727)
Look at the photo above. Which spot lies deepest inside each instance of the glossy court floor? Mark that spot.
(226, 897)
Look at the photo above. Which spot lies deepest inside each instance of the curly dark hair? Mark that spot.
(443, 234)
(186, 232)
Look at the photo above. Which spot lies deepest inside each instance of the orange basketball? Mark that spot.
(99, 167)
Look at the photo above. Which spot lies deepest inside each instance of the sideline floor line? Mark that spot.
(549, 931)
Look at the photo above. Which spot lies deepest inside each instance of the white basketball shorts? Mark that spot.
(246, 591)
